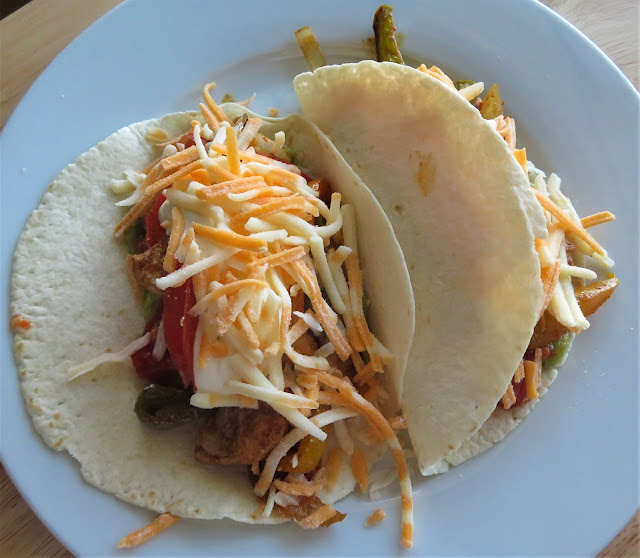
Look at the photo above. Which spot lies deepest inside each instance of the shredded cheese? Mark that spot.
(160, 347)
(121, 356)
(318, 517)
(159, 524)
(569, 223)
(360, 469)
(530, 379)
(243, 226)
(376, 517)
(347, 396)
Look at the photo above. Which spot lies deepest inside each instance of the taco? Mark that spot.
(253, 389)
(496, 252)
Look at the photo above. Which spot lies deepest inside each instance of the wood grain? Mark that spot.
(31, 37)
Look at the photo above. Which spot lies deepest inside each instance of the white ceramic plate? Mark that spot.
(567, 480)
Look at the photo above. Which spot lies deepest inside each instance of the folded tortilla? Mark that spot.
(465, 216)
(70, 283)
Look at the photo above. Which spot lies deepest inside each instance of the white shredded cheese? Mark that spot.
(123, 355)
(206, 400)
(326, 350)
(248, 133)
(285, 500)
(136, 180)
(271, 236)
(575, 271)
(278, 142)
(160, 346)
(471, 91)
(343, 437)
(291, 439)
(181, 275)
(169, 150)
(272, 396)
(206, 132)
(322, 266)
(309, 319)
(268, 507)
(202, 152)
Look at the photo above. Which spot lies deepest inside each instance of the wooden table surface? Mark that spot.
(31, 37)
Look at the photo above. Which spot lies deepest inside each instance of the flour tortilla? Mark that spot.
(70, 282)
(464, 214)
(391, 314)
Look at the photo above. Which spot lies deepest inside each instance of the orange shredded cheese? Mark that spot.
(509, 397)
(180, 159)
(376, 517)
(234, 287)
(347, 396)
(519, 373)
(521, 157)
(232, 186)
(148, 198)
(213, 106)
(248, 330)
(530, 373)
(550, 276)
(219, 349)
(569, 224)
(201, 176)
(438, 74)
(158, 525)
(187, 239)
(307, 380)
(597, 219)
(229, 238)
(298, 488)
(213, 122)
(355, 292)
(326, 316)
(364, 374)
(294, 202)
(317, 518)
(232, 151)
(360, 469)
(507, 129)
(353, 335)
(154, 164)
(177, 229)
(254, 157)
(219, 173)
(280, 258)
(154, 174)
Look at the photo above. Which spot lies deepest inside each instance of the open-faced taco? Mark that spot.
(493, 248)
(273, 289)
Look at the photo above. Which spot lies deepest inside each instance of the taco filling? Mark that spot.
(249, 275)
